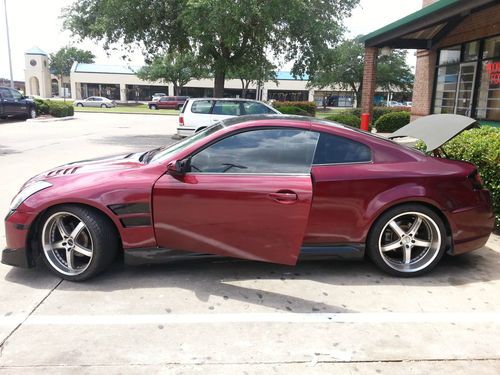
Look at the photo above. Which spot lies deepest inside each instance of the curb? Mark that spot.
(53, 119)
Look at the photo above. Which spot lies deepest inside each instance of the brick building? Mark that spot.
(458, 58)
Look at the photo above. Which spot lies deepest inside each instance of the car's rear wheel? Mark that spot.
(79, 104)
(77, 242)
(407, 240)
(179, 107)
(104, 106)
(152, 106)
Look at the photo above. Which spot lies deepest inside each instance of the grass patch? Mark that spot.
(138, 109)
(320, 113)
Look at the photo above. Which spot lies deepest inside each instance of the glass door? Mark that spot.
(465, 89)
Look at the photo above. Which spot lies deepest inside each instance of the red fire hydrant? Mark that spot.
(365, 121)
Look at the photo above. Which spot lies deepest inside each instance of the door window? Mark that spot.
(227, 108)
(259, 151)
(16, 95)
(333, 149)
(201, 106)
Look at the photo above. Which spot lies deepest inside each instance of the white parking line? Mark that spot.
(138, 319)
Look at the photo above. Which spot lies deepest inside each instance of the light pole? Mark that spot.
(8, 43)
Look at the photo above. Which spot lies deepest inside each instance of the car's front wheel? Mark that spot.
(152, 106)
(77, 242)
(79, 104)
(408, 240)
(32, 113)
(104, 106)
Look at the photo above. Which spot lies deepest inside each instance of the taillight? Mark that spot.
(181, 120)
(476, 180)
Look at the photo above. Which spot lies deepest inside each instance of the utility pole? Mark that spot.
(8, 43)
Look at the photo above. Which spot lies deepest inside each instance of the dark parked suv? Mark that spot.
(168, 102)
(13, 103)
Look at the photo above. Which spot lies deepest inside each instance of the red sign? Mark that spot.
(493, 70)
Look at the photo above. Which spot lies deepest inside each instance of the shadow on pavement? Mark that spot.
(12, 120)
(213, 278)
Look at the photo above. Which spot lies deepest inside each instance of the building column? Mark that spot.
(170, 89)
(123, 92)
(264, 94)
(369, 80)
(311, 96)
(424, 83)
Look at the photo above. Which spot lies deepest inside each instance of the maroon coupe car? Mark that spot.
(267, 188)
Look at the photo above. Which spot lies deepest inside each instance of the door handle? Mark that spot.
(284, 197)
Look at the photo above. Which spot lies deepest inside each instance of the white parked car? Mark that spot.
(157, 96)
(95, 101)
(199, 113)
(393, 103)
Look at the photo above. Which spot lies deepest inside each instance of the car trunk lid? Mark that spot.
(436, 130)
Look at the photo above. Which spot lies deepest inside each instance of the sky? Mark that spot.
(38, 23)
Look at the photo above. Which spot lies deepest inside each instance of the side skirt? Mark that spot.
(158, 255)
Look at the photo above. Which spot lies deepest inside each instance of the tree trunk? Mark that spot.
(176, 90)
(220, 76)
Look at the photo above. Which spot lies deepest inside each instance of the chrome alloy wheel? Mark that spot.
(33, 113)
(67, 243)
(409, 242)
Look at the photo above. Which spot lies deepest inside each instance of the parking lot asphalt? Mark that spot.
(229, 316)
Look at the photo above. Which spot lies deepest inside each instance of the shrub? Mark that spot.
(60, 109)
(309, 107)
(392, 121)
(292, 110)
(377, 111)
(482, 148)
(346, 119)
(42, 107)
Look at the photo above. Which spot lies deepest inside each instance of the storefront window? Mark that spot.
(467, 82)
(488, 104)
(449, 55)
(491, 48)
(446, 89)
(471, 51)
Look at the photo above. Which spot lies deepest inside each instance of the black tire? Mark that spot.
(104, 106)
(179, 107)
(103, 234)
(31, 113)
(79, 104)
(426, 258)
(152, 106)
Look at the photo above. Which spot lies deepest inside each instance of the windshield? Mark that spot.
(168, 151)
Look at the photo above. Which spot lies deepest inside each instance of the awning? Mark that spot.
(426, 27)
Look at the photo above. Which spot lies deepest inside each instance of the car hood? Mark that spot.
(436, 130)
(103, 164)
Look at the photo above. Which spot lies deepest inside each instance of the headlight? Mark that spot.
(27, 192)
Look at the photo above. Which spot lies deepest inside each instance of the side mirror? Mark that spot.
(178, 167)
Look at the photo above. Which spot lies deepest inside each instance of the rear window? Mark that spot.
(201, 106)
(333, 149)
(252, 108)
(227, 108)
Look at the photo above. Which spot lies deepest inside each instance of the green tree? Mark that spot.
(177, 68)
(60, 63)
(344, 64)
(220, 33)
(258, 70)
